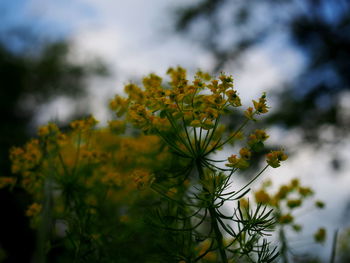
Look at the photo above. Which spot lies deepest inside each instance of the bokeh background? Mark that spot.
(64, 59)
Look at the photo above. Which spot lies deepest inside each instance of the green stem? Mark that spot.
(77, 154)
(252, 180)
(284, 246)
(206, 143)
(45, 228)
(229, 138)
(218, 235)
(213, 219)
(177, 132)
(334, 246)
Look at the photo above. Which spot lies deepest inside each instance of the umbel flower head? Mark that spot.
(187, 114)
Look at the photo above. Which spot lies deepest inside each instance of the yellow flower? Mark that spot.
(294, 183)
(297, 228)
(84, 124)
(319, 204)
(142, 178)
(282, 192)
(195, 123)
(226, 82)
(213, 86)
(152, 81)
(119, 105)
(285, 219)
(260, 106)
(43, 131)
(305, 191)
(232, 160)
(235, 162)
(49, 129)
(275, 157)
(34, 209)
(211, 113)
(139, 116)
(203, 75)
(293, 203)
(178, 77)
(320, 235)
(245, 153)
(27, 157)
(261, 135)
(233, 98)
(207, 124)
(249, 113)
(112, 179)
(262, 197)
(134, 92)
(7, 181)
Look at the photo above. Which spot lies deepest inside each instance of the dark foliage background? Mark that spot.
(32, 72)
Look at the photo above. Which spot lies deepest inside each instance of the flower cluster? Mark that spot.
(98, 178)
(275, 158)
(288, 198)
(7, 182)
(187, 115)
(255, 143)
(198, 103)
(84, 124)
(26, 158)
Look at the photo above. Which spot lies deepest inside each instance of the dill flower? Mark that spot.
(320, 235)
(275, 157)
(293, 203)
(285, 219)
(319, 204)
(236, 162)
(49, 129)
(7, 181)
(260, 106)
(33, 210)
(84, 124)
(262, 197)
(305, 191)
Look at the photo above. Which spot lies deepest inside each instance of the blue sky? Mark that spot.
(134, 37)
(47, 18)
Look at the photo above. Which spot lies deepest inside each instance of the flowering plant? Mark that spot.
(187, 116)
(157, 158)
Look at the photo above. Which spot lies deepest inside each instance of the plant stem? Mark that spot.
(334, 246)
(218, 234)
(213, 216)
(284, 246)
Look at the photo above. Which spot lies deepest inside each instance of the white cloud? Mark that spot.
(136, 37)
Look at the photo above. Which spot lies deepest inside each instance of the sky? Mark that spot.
(136, 37)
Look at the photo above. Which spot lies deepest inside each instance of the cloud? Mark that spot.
(136, 37)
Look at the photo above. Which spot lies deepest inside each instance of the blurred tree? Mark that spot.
(320, 29)
(30, 74)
